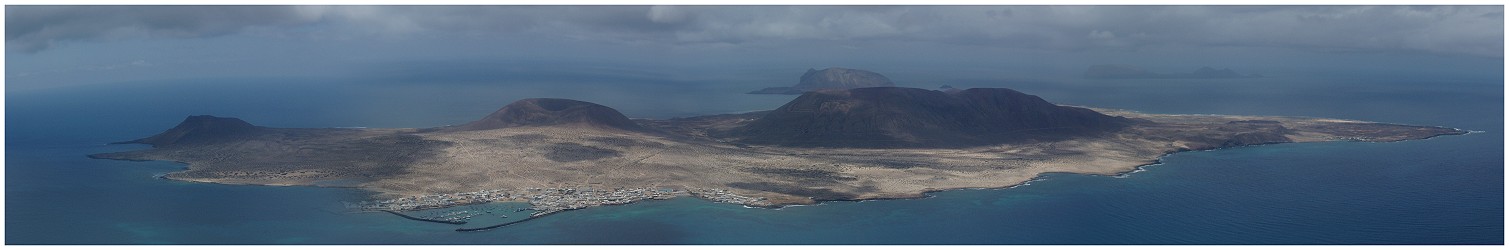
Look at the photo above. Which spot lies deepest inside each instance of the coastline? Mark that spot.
(815, 202)
(1005, 166)
(1040, 176)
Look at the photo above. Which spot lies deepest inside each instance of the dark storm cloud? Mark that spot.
(33, 28)
(1472, 30)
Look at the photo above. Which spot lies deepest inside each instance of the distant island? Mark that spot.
(830, 79)
(1113, 71)
(835, 144)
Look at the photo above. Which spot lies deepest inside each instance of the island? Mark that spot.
(830, 79)
(825, 145)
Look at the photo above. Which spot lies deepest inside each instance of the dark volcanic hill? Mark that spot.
(841, 78)
(831, 78)
(551, 111)
(892, 117)
(201, 129)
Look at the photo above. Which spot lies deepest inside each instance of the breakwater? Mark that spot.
(496, 226)
(405, 216)
(531, 217)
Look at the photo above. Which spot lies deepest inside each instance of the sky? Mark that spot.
(56, 46)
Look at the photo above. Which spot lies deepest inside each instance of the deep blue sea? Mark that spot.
(1444, 190)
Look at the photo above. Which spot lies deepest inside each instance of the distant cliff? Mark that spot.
(1108, 71)
(831, 78)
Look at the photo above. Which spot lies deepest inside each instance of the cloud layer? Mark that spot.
(33, 28)
(1469, 30)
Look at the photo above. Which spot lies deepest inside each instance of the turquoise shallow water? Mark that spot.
(1445, 190)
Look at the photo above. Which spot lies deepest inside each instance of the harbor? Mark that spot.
(498, 225)
(546, 200)
(405, 216)
(543, 201)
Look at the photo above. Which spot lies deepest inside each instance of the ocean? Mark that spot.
(1444, 190)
